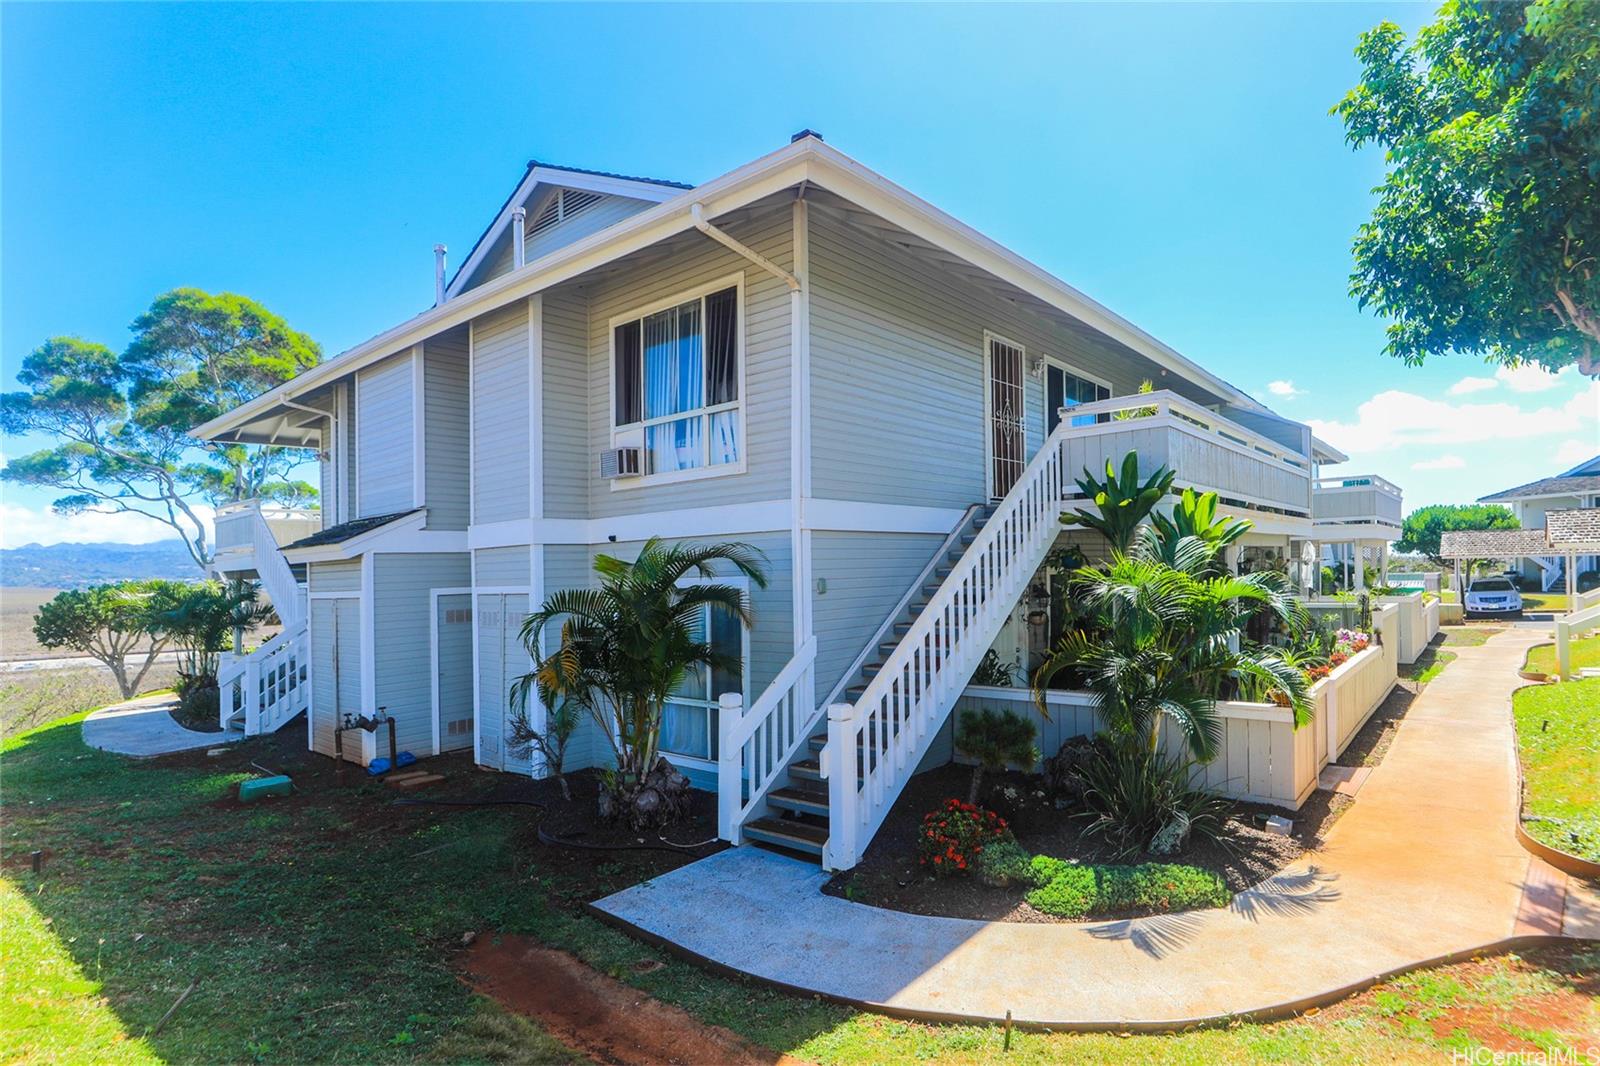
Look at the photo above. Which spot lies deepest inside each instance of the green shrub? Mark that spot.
(995, 739)
(1076, 891)
(1140, 801)
(1003, 864)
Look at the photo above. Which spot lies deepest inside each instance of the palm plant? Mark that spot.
(1195, 515)
(201, 618)
(629, 643)
(1121, 501)
(1170, 636)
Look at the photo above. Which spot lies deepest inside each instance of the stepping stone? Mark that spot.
(418, 781)
(1343, 780)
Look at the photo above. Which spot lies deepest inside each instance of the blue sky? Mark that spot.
(1176, 162)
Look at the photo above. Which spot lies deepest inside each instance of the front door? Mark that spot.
(452, 665)
(1006, 434)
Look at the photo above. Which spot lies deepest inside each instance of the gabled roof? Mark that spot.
(1588, 466)
(1492, 543)
(1573, 527)
(1548, 486)
(803, 162)
(537, 174)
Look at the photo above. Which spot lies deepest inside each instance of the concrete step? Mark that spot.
(790, 835)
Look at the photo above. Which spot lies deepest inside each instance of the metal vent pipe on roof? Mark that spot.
(519, 235)
(438, 274)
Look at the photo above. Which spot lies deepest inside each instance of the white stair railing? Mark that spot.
(754, 747)
(268, 685)
(246, 524)
(875, 744)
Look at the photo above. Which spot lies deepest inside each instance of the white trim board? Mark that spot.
(769, 516)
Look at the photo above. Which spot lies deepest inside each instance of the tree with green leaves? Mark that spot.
(627, 646)
(108, 623)
(1424, 528)
(119, 424)
(995, 740)
(201, 618)
(1195, 515)
(1121, 502)
(1485, 238)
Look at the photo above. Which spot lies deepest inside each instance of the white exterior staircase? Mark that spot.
(265, 688)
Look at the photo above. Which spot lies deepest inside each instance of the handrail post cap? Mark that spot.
(839, 712)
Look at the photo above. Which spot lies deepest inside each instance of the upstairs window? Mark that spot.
(676, 377)
(1063, 388)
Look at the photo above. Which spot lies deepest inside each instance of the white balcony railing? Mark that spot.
(1208, 452)
(249, 535)
(1358, 504)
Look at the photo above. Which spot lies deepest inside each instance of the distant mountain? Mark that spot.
(67, 566)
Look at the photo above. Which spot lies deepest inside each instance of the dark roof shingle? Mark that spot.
(1548, 486)
(348, 530)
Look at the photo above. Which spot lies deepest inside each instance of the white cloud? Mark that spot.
(1396, 419)
(1444, 462)
(1471, 385)
(21, 525)
(1573, 452)
(1531, 378)
(1284, 389)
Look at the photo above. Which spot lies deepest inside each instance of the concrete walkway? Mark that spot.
(1424, 866)
(145, 727)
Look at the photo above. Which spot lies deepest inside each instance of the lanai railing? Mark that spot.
(268, 686)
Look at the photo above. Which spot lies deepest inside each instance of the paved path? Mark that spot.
(77, 662)
(1423, 866)
(145, 727)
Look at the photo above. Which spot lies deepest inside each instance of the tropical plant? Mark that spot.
(995, 739)
(200, 620)
(1170, 637)
(1146, 387)
(1195, 515)
(550, 743)
(1143, 801)
(991, 671)
(628, 644)
(1485, 234)
(951, 838)
(106, 623)
(1121, 502)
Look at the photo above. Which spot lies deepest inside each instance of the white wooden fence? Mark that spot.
(1569, 628)
(1418, 624)
(1262, 757)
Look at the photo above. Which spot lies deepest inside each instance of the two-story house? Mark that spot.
(798, 354)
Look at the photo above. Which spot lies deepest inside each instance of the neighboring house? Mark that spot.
(1357, 516)
(1572, 489)
(798, 354)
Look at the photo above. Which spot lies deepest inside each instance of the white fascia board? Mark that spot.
(1323, 452)
(770, 174)
(566, 179)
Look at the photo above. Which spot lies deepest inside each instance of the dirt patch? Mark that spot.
(596, 1015)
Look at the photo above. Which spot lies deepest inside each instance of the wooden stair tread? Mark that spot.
(798, 832)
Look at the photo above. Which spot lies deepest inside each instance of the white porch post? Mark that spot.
(730, 711)
(1358, 566)
(1572, 582)
(1383, 563)
(1460, 586)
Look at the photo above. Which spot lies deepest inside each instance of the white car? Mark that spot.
(1493, 595)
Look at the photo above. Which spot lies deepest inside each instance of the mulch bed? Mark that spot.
(889, 875)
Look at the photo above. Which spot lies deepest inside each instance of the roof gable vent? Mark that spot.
(562, 206)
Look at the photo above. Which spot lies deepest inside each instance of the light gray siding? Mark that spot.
(565, 355)
(897, 357)
(592, 219)
(446, 434)
(343, 575)
(689, 263)
(403, 655)
(500, 377)
(567, 566)
(384, 448)
(335, 671)
(501, 567)
(866, 574)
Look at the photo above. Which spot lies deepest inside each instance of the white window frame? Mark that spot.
(743, 584)
(1066, 367)
(633, 434)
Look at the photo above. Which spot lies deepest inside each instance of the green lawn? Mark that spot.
(321, 928)
(1585, 652)
(1429, 665)
(1558, 732)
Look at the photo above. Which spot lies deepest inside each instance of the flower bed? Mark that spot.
(1072, 890)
